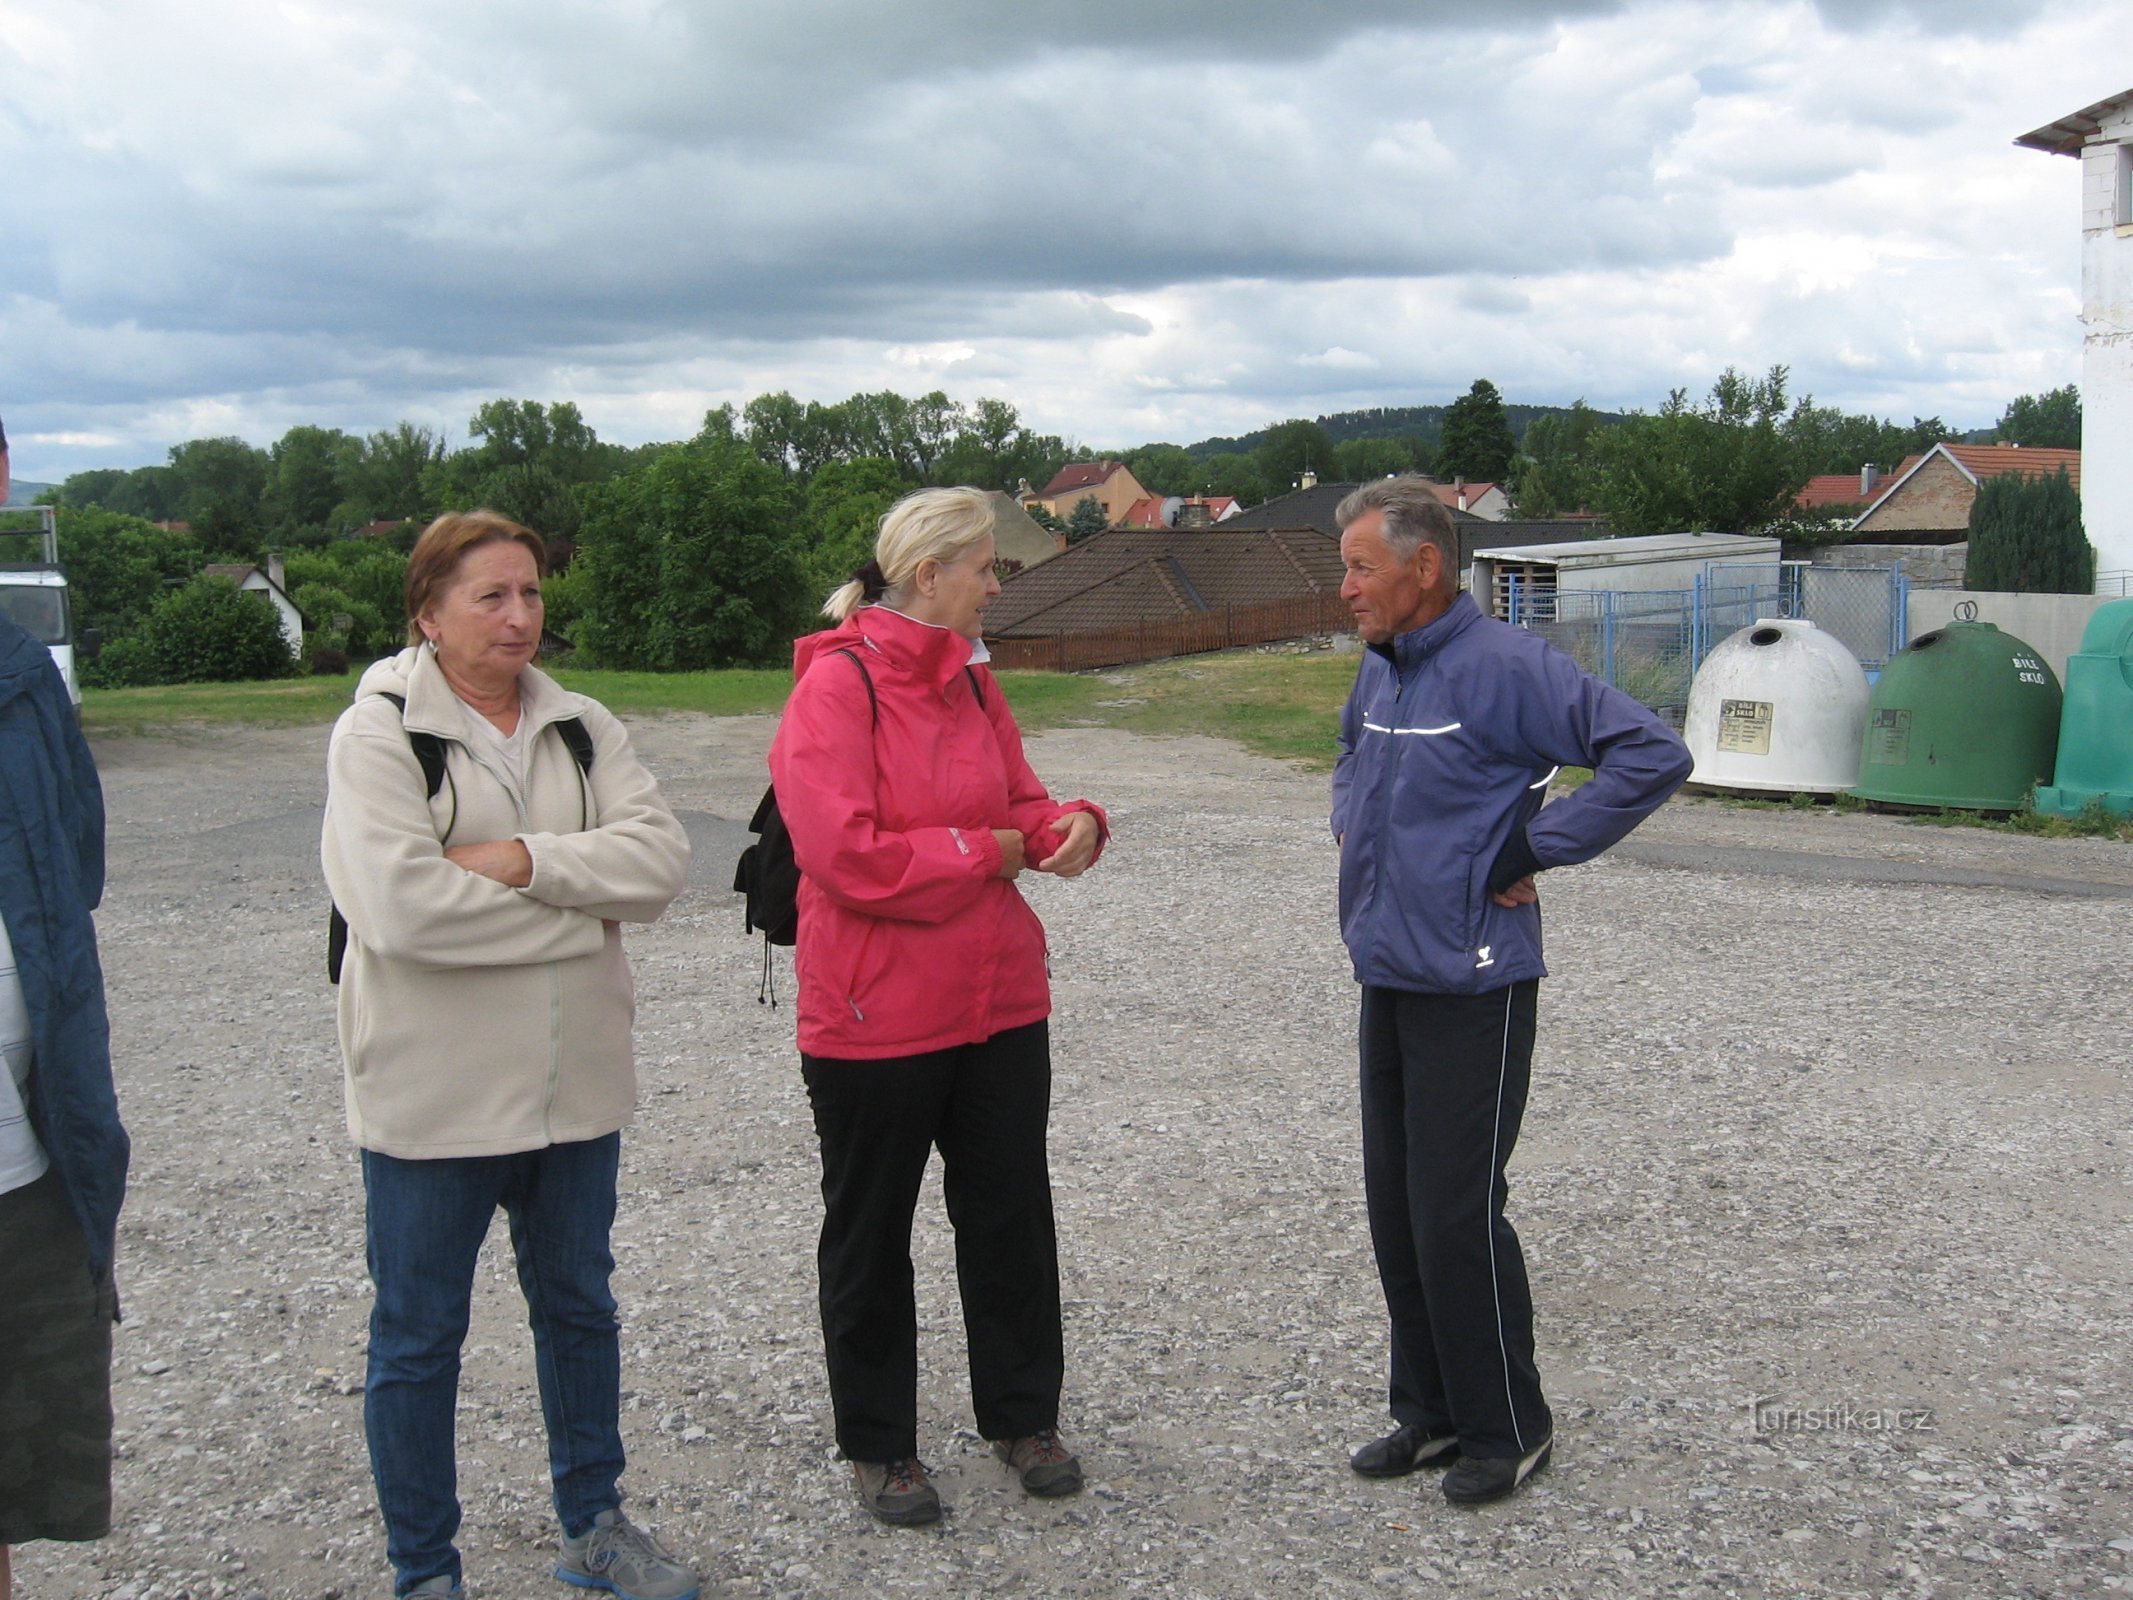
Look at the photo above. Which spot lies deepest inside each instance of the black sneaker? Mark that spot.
(898, 1492)
(1473, 1482)
(1407, 1447)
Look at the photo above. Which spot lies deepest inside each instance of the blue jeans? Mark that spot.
(424, 1224)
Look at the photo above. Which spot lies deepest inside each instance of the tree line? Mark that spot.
(715, 549)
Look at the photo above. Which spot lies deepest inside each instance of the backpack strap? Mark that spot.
(865, 677)
(976, 687)
(428, 748)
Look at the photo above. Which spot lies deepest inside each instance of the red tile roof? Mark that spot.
(1997, 460)
(1840, 489)
(1146, 512)
(1079, 475)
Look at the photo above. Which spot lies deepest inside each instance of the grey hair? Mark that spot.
(1413, 515)
(935, 524)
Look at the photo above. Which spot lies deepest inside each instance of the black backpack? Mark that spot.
(766, 872)
(429, 753)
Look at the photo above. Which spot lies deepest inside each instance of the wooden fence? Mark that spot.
(1182, 636)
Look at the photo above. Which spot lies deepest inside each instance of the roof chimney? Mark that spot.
(1869, 477)
(1309, 480)
(276, 574)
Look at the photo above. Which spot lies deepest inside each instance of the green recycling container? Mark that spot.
(1965, 718)
(2096, 727)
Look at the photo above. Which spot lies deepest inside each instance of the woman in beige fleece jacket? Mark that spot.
(485, 1014)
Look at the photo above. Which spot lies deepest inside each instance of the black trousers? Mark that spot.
(985, 1107)
(1444, 1088)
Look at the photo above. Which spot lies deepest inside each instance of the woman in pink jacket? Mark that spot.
(923, 995)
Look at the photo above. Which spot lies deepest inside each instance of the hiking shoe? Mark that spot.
(1407, 1447)
(898, 1492)
(616, 1555)
(1045, 1465)
(1473, 1482)
(440, 1586)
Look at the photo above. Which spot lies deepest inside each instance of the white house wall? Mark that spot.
(2107, 351)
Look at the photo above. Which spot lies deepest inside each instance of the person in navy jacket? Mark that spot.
(63, 1150)
(1447, 743)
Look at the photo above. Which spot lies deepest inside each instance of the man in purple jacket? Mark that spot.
(1447, 743)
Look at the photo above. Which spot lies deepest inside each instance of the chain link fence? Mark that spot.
(1650, 642)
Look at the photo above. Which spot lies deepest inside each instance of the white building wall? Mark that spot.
(2107, 349)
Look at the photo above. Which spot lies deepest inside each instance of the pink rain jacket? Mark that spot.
(908, 941)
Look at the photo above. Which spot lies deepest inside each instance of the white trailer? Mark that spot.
(33, 593)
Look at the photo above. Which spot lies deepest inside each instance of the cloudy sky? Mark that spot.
(1135, 219)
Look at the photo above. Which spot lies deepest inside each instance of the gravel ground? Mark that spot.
(1830, 1116)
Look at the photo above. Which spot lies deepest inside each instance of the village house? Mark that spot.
(1927, 499)
(271, 582)
(1110, 484)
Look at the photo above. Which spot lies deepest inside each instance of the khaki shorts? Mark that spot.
(55, 1373)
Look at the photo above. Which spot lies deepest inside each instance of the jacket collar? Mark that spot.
(933, 654)
(1418, 644)
(432, 707)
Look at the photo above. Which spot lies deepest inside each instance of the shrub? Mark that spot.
(210, 631)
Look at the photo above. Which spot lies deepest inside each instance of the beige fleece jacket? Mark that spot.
(477, 1019)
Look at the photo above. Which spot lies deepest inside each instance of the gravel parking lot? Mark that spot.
(1825, 1186)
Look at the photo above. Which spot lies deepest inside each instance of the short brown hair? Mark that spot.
(444, 544)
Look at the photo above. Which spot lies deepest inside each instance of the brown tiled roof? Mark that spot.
(1997, 460)
(1130, 575)
(1839, 489)
(1079, 475)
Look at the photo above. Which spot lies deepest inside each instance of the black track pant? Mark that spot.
(1444, 1088)
(985, 1106)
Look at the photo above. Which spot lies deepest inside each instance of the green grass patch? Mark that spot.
(282, 703)
(1274, 705)
(1277, 705)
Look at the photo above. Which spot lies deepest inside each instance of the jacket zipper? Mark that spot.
(555, 987)
(1388, 783)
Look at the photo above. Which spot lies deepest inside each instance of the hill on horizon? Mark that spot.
(1387, 422)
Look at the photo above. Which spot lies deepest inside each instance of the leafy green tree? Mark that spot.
(1360, 460)
(1290, 449)
(365, 634)
(1478, 444)
(1164, 469)
(309, 473)
(1829, 440)
(2051, 420)
(1086, 520)
(1231, 473)
(210, 631)
(1722, 466)
(845, 503)
(370, 572)
(1553, 474)
(2026, 537)
(220, 483)
(691, 560)
(565, 598)
(119, 566)
(92, 488)
(390, 470)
